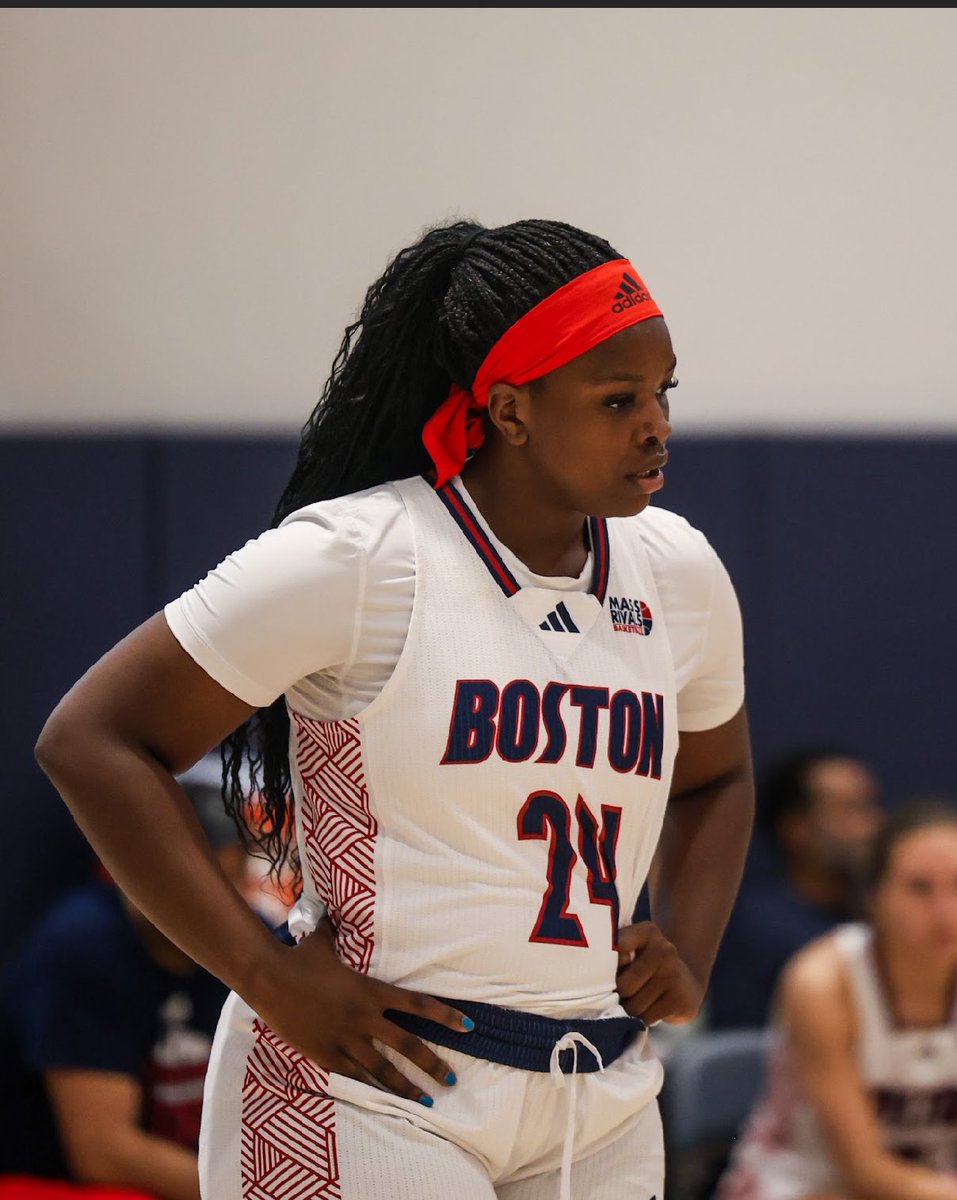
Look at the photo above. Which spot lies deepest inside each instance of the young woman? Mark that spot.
(862, 1094)
(484, 681)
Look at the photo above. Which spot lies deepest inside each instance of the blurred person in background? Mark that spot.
(861, 1099)
(818, 810)
(105, 1033)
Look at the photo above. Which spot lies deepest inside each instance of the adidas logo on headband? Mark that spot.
(630, 294)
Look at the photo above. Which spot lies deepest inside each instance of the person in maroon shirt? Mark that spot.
(106, 1028)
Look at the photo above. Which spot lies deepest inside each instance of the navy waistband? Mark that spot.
(525, 1040)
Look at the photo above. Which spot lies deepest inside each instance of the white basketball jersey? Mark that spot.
(484, 826)
(910, 1074)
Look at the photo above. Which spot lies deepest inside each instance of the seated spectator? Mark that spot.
(105, 1033)
(817, 811)
(862, 1092)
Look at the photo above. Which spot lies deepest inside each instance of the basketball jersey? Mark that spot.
(483, 827)
(910, 1075)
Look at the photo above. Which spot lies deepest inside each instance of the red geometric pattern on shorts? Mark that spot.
(339, 830)
(288, 1148)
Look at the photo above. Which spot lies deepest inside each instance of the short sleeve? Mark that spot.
(280, 608)
(703, 619)
(715, 690)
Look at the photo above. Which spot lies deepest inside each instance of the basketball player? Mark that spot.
(862, 1094)
(478, 667)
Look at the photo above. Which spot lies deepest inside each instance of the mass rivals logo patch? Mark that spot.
(630, 616)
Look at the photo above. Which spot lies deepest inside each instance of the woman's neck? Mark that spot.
(920, 986)
(548, 539)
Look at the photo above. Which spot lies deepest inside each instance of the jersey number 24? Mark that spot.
(546, 815)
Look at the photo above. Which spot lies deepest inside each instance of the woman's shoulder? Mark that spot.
(670, 537)
(679, 554)
(368, 507)
(818, 974)
(358, 525)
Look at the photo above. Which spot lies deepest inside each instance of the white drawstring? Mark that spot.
(302, 920)
(569, 1041)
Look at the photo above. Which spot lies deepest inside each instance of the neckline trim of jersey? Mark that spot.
(462, 513)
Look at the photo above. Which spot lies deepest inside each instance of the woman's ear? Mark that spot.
(507, 410)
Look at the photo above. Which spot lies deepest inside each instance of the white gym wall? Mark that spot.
(193, 201)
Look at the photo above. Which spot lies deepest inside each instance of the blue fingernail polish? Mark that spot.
(450, 1078)
(426, 1100)
(468, 1024)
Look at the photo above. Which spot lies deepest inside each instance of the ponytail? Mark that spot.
(428, 322)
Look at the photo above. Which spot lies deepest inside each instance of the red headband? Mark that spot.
(587, 310)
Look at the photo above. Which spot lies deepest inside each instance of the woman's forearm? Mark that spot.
(137, 1159)
(142, 827)
(699, 864)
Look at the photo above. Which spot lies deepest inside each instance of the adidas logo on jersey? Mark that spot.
(559, 620)
(629, 295)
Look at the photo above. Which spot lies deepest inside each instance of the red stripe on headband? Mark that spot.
(587, 310)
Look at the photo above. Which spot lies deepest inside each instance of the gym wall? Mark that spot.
(194, 201)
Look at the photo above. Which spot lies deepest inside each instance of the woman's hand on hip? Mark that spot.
(336, 1016)
(653, 981)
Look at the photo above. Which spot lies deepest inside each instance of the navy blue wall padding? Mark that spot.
(75, 560)
(861, 590)
(213, 494)
(842, 549)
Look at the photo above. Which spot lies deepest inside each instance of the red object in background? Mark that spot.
(26, 1187)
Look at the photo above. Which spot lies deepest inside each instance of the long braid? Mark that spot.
(428, 322)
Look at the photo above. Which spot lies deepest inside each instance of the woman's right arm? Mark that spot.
(112, 747)
(816, 1017)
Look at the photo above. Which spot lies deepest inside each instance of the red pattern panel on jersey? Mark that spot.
(339, 830)
(288, 1149)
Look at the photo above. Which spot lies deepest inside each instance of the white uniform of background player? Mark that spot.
(911, 1075)
(481, 759)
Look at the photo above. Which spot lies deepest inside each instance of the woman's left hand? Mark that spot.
(654, 983)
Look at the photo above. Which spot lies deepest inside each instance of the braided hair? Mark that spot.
(429, 321)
